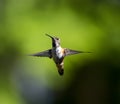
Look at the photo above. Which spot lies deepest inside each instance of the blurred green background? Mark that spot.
(87, 25)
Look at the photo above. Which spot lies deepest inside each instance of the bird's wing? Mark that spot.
(46, 53)
(72, 52)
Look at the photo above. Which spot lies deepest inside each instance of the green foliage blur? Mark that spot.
(86, 25)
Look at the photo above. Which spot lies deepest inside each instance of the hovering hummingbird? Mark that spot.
(57, 53)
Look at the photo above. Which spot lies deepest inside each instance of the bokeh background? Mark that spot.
(87, 25)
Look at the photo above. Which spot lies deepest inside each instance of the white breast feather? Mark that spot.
(58, 52)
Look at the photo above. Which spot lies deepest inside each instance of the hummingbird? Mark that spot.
(57, 53)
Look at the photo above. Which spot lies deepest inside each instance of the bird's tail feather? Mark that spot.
(60, 69)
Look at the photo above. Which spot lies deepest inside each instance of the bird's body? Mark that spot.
(58, 56)
(57, 53)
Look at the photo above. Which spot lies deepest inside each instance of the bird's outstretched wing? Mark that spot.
(46, 53)
(72, 52)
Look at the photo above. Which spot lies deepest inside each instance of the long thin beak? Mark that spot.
(49, 36)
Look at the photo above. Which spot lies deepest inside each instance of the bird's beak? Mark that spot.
(49, 36)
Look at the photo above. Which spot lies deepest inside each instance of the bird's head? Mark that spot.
(55, 41)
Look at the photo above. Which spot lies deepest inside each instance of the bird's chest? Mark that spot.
(58, 53)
